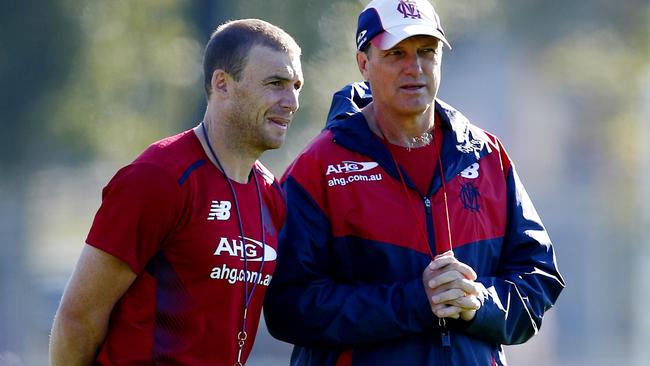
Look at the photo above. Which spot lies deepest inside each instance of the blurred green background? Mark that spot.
(87, 85)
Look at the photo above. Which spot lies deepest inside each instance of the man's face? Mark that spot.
(265, 98)
(404, 79)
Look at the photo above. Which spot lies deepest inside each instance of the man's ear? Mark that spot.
(362, 62)
(220, 82)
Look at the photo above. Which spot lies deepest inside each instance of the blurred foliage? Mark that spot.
(134, 80)
(95, 79)
(37, 40)
(598, 55)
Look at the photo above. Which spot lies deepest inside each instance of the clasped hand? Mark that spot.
(451, 288)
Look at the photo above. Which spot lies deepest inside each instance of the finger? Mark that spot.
(461, 267)
(440, 307)
(441, 261)
(447, 311)
(447, 253)
(466, 303)
(466, 270)
(467, 315)
(445, 277)
(449, 295)
(450, 262)
(469, 287)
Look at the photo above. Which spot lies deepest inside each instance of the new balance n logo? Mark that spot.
(219, 210)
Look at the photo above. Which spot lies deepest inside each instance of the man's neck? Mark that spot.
(403, 131)
(237, 162)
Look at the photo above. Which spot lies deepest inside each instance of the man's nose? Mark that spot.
(413, 65)
(290, 100)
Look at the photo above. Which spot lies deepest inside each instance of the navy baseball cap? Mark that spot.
(385, 23)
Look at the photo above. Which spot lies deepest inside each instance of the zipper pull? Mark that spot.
(445, 337)
(427, 204)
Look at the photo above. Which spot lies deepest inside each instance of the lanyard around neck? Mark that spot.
(242, 336)
(420, 225)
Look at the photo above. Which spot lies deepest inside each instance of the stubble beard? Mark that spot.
(243, 131)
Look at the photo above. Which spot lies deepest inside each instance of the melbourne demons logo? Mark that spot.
(470, 196)
(409, 9)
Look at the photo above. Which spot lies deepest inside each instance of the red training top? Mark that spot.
(171, 217)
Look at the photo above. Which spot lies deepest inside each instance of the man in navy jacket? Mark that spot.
(410, 239)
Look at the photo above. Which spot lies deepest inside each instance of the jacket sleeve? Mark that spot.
(305, 305)
(527, 282)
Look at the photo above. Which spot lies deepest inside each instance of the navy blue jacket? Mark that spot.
(347, 288)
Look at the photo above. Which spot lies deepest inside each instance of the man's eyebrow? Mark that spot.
(277, 77)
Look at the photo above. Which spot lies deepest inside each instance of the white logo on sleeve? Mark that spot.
(219, 210)
(470, 172)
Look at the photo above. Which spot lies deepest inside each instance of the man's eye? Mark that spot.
(429, 51)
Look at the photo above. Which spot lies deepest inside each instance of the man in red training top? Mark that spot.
(183, 247)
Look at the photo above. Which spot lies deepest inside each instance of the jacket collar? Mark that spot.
(462, 144)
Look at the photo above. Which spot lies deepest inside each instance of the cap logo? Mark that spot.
(408, 9)
(361, 35)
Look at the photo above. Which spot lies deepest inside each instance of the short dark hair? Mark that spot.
(231, 42)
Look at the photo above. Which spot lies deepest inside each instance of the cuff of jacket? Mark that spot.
(489, 319)
(423, 312)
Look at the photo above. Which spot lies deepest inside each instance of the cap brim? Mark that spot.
(390, 37)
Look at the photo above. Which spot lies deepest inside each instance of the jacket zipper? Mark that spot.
(429, 220)
(445, 337)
